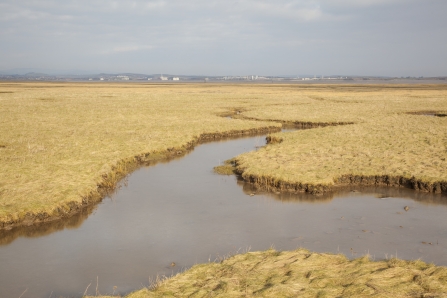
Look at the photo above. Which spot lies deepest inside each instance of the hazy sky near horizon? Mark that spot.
(206, 37)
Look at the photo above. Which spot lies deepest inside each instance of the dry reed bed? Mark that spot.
(302, 273)
(63, 146)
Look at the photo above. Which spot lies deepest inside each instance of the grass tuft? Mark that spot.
(228, 168)
(304, 274)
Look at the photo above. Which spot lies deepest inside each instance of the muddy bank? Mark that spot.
(119, 171)
(380, 192)
(428, 113)
(393, 181)
(295, 124)
(276, 185)
(236, 113)
(39, 229)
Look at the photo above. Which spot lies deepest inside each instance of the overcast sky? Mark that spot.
(228, 37)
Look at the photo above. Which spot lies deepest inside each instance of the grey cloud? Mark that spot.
(377, 37)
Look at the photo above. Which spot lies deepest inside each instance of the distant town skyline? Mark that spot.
(226, 38)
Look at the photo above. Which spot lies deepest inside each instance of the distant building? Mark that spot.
(101, 79)
(176, 79)
(163, 78)
(124, 78)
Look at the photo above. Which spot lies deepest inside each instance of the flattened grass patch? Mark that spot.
(304, 274)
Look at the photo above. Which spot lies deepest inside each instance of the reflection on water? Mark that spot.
(378, 192)
(42, 229)
(182, 212)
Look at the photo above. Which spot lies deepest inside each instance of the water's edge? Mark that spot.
(169, 216)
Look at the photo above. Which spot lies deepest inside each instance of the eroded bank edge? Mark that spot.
(237, 114)
(275, 185)
(119, 171)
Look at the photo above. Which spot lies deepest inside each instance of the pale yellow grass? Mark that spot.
(302, 273)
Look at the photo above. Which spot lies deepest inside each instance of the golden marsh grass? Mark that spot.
(62, 145)
(302, 273)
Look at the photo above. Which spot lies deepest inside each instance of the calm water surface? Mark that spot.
(182, 212)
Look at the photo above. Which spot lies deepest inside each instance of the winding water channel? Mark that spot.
(170, 216)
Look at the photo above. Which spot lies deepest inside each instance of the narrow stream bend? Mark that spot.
(180, 213)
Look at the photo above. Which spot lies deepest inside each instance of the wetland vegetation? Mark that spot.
(64, 146)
